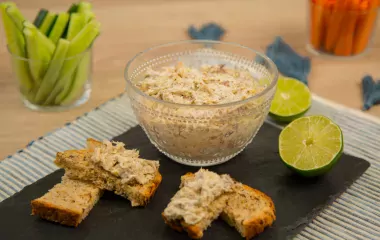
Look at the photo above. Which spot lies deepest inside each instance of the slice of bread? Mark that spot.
(249, 211)
(201, 199)
(67, 203)
(78, 165)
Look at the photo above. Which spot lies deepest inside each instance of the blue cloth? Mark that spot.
(210, 31)
(370, 91)
(288, 62)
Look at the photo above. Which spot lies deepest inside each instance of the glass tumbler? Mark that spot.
(56, 85)
(341, 28)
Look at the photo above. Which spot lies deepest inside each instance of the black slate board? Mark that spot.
(296, 199)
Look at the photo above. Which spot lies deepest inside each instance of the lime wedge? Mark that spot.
(311, 145)
(291, 100)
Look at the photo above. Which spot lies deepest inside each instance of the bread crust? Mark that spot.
(56, 213)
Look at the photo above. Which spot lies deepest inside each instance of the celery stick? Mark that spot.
(52, 73)
(45, 43)
(73, 8)
(77, 22)
(45, 49)
(16, 16)
(7, 22)
(32, 52)
(78, 45)
(39, 56)
(80, 77)
(40, 17)
(59, 27)
(84, 6)
(47, 23)
(88, 16)
(16, 45)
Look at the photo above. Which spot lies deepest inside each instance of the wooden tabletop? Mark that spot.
(129, 26)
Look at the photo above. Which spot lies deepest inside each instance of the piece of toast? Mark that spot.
(209, 210)
(249, 211)
(78, 165)
(67, 203)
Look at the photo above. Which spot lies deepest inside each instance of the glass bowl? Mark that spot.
(201, 135)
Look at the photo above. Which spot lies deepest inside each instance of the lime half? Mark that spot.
(291, 100)
(311, 145)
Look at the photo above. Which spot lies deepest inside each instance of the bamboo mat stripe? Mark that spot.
(354, 215)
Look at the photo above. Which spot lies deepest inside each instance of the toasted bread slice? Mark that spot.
(201, 199)
(78, 165)
(67, 203)
(249, 211)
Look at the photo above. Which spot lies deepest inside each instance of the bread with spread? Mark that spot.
(67, 203)
(111, 167)
(199, 201)
(205, 195)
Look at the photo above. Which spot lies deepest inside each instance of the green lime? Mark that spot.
(291, 100)
(311, 145)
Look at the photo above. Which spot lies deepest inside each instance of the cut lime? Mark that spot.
(311, 145)
(291, 100)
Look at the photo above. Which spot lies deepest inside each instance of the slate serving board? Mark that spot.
(296, 199)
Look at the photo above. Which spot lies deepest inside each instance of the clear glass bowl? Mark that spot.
(201, 135)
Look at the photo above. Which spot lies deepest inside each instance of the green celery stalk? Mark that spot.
(16, 16)
(48, 23)
(44, 42)
(40, 17)
(16, 45)
(78, 45)
(73, 8)
(39, 56)
(7, 22)
(53, 71)
(33, 54)
(84, 6)
(59, 27)
(88, 15)
(77, 22)
(81, 75)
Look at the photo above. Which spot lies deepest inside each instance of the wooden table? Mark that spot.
(130, 26)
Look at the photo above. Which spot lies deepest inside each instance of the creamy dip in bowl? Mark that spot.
(201, 102)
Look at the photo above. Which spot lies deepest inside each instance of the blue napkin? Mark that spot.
(288, 62)
(209, 31)
(370, 91)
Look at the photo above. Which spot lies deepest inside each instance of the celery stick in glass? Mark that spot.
(16, 16)
(48, 23)
(16, 46)
(45, 43)
(39, 56)
(84, 6)
(81, 75)
(53, 71)
(7, 22)
(88, 16)
(40, 17)
(78, 45)
(76, 24)
(59, 27)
